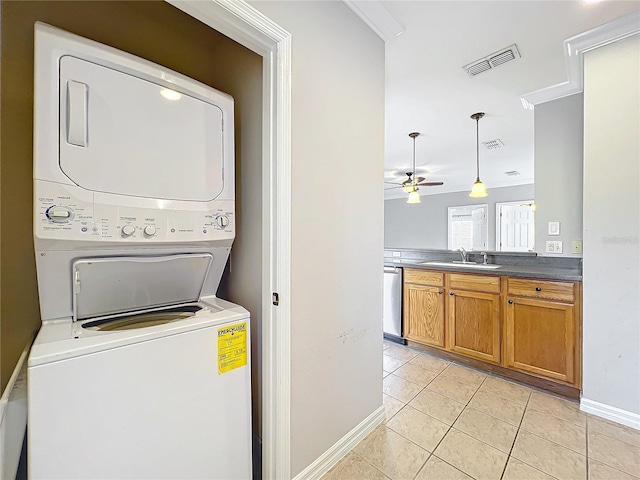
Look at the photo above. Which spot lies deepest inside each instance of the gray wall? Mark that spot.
(558, 171)
(424, 225)
(612, 226)
(337, 109)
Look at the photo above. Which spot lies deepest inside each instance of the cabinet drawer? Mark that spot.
(542, 289)
(423, 277)
(478, 283)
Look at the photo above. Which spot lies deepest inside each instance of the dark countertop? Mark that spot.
(550, 273)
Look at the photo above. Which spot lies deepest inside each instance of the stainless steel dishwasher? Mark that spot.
(392, 305)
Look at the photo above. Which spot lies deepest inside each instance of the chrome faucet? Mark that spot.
(484, 256)
(463, 254)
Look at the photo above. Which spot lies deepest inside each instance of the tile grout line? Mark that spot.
(586, 445)
(369, 463)
(450, 428)
(516, 436)
(531, 433)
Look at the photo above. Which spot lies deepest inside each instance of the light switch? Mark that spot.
(553, 246)
(396, 254)
(554, 228)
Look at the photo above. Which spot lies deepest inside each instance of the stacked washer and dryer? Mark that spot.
(138, 371)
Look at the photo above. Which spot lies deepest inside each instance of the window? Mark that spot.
(468, 227)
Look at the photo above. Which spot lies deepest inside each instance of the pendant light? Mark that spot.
(478, 189)
(414, 196)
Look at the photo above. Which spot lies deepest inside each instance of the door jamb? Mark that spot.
(244, 24)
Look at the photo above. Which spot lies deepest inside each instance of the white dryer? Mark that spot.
(138, 371)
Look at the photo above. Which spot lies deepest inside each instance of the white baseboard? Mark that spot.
(614, 414)
(332, 456)
(13, 418)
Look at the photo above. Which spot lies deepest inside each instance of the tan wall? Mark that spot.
(150, 29)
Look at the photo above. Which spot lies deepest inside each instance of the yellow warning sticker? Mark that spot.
(232, 347)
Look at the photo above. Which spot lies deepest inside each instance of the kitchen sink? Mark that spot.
(471, 265)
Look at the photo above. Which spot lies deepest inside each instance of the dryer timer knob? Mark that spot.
(149, 230)
(222, 221)
(128, 230)
(59, 214)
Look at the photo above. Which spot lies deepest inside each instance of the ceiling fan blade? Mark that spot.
(431, 184)
(394, 183)
(418, 179)
(392, 188)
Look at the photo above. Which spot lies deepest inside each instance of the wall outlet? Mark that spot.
(576, 246)
(397, 254)
(553, 246)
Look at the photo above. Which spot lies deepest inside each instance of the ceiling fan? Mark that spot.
(411, 184)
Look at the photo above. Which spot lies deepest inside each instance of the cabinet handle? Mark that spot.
(510, 302)
(439, 292)
(451, 293)
(538, 289)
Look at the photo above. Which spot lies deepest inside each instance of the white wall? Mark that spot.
(611, 269)
(424, 225)
(337, 235)
(558, 171)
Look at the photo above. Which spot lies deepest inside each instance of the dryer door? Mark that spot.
(125, 135)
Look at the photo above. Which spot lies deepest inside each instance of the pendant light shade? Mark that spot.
(411, 188)
(478, 189)
(414, 197)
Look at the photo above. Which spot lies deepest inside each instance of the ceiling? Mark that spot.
(428, 91)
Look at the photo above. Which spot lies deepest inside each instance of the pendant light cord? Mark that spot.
(478, 149)
(414, 162)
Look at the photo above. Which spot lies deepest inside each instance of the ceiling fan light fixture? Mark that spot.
(414, 196)
(407, 188)
(478, 189)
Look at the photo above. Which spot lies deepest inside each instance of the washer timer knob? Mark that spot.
(149, 230)
(128, 230)
(222, 221)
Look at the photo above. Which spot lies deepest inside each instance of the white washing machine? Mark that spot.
(138, 371)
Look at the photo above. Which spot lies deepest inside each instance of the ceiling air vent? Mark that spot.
(492, 61)
(512, 173)
(493, 144)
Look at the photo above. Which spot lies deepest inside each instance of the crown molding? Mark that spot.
(574, 50)
(377, 17)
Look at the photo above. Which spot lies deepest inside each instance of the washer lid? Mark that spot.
(113, 285)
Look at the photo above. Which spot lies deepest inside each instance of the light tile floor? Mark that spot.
(445, 421)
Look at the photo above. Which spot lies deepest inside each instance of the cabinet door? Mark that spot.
(424, 314)
(474, 324)
(540, 338)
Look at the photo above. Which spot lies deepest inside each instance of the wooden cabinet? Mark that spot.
(528, 325)
(473, 314)
(542, 329)
(424, 307)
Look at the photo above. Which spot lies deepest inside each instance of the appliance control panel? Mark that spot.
(66, 212)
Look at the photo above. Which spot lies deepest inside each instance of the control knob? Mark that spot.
(58, 214)
(128, 230)
(149, 230)
(222, 221)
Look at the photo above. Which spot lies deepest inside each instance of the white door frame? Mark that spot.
(247, 26)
